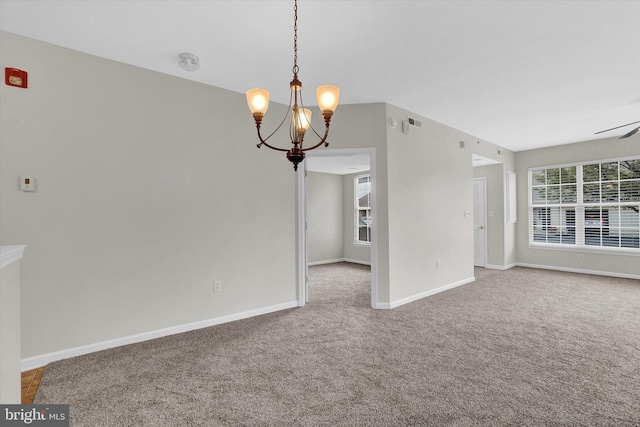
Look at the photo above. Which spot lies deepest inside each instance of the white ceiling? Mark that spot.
(478, 160)
(338, 164)
(520, 74)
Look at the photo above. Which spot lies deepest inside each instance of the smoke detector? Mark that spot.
(188, 61)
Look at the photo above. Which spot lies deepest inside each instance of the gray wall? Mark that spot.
(10, 333)
(325, 213)
(608, 263)
(330, 215)
(150, 187)
(430, 237)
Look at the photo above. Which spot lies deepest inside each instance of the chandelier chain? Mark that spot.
(295, 38)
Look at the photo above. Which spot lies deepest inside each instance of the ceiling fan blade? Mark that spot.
(630, 133)
(617, 127)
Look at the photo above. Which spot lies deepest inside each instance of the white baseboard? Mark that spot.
(326, 261)
(43, 359)
(357, 261)
(333, 261)
(416, 297)
(580, 270)
(500, 267)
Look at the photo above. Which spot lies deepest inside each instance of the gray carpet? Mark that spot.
(516, 348)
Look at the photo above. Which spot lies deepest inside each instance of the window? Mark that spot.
(595, 204)
(363, 209)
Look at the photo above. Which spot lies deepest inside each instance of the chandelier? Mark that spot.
(328, 96)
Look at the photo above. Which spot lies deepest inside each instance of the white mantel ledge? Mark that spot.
(9, 254)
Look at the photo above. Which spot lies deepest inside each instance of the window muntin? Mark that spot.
(593, 204)
(362, 209)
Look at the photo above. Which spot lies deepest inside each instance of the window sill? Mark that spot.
(363, 244)
(585, 249)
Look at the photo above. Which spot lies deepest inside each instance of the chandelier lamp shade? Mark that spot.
(299, 117)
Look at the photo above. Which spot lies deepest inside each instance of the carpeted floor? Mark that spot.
(521, 347)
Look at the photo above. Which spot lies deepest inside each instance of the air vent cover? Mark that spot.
(414, 122)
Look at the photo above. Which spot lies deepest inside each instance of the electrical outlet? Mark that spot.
(437, 264)
(217, 286)
(581, 257)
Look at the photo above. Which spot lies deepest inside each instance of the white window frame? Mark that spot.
(357, 209)
(580, 206)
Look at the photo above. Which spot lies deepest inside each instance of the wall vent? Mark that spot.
(414, 122)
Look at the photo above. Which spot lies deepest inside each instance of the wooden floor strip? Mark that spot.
(30, 382)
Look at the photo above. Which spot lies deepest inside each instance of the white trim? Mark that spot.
(43, 359)
(373, 199)
(383, 306)
(421, 295)
(580, 270)
(499, 267)
(326, 261)
(584, 249)
(357, 209)
(302, 235)
(362, 244)
(333, 261)
(10, 254)
(301, 219)
(511, 204)
(357, 261)
(485, 230)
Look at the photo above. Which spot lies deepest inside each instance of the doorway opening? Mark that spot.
(489, 210)
(340, 284)
(343, 165)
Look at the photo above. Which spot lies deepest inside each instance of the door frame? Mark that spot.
(484, 231)
(302, 269)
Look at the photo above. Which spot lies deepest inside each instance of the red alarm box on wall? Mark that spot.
(15, 77)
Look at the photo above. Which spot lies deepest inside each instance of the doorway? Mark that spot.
(479, 222)
(332, 159)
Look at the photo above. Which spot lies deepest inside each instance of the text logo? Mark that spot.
(34, 415)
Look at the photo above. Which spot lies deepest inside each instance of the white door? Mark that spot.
(479, 222)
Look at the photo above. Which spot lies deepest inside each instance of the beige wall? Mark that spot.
(330, 215)
(10, 333)
(606, 263)
(325, 213)
(150, 187)
(430, 189)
